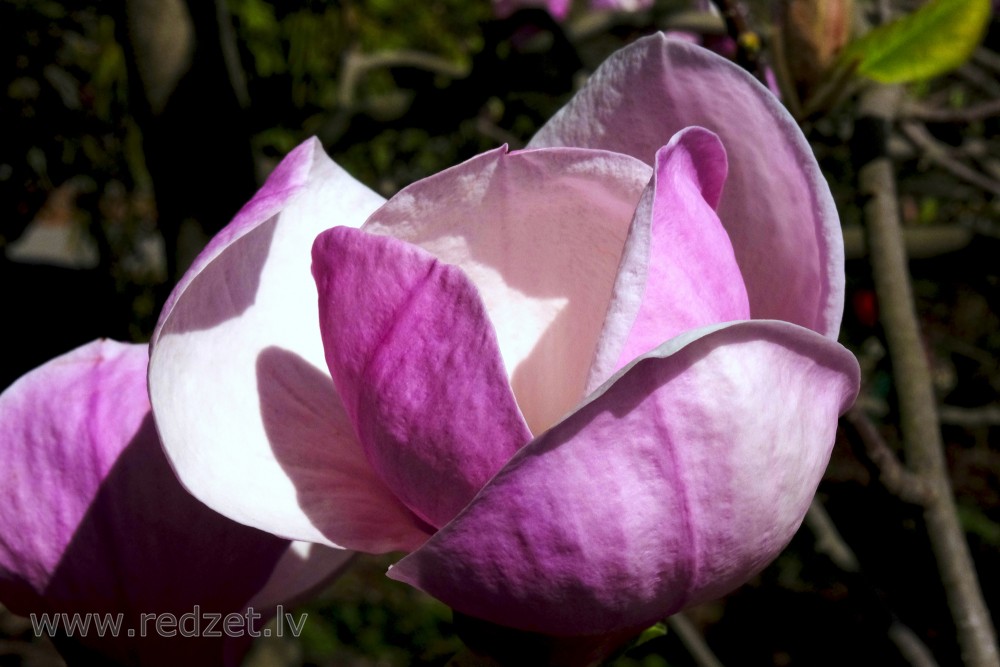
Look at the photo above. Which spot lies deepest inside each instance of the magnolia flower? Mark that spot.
(94, 523)
(585, 384)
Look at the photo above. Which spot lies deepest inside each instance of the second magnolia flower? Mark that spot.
(585, 384)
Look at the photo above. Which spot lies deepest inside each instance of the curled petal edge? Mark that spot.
(676, 521)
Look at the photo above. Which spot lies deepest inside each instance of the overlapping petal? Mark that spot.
(678, 480)
(540, 234)
(246, 410)
(678, 271)
(419, 372)
(92, 519)
(776, 207)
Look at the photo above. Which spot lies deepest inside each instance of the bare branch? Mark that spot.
(921, 110)
(910, 647)
(937, 152)
(988, 415)
(917, 404)
(693, 641)
(987, 58)
(830, 542)
(921, 242)
(893, 475)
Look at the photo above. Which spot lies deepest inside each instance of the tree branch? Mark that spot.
(693, 641)
(938, 153)
(917, 404)
(921, 110)
(830, 542)
(892, 474)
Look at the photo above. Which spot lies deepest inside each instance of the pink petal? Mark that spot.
(678, 271)
(247, 412)
(540, 234)
(303, 570)
(777, 208)
(287, 180)
(416, 361)
(680, 479)
(92, 519)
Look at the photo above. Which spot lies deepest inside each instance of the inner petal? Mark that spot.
(415, 360)
(678, 270)
(540, 234)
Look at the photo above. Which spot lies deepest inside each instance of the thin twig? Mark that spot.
(984, 81)
(921, 242)
(357, 64)
(938, 153)
(892, 474)
(910, 647)
(828, 539)
(988, 415)
(830, 542)
(693, 641)
(927, 112)
(987, 58)
(920, 428)
(231, 54)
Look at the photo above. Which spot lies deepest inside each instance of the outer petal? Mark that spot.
(684, 476)
(777, 207)
(416, 361)
(303, 570)
(92, 519)
(678, 271)
(540, 233)
(248, 415)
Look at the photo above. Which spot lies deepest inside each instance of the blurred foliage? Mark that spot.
(299, 56)
(66, 94)
(936, 38)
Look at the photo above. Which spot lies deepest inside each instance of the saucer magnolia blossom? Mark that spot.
(93, 521)
(585, 385)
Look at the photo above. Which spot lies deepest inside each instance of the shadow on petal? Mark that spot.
(314, 442)
(146, 546)
(227, 286)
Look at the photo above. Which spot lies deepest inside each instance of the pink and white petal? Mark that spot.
(415, 359)
(304, 569)
(93, 520)
(249, 417)
(777, 208)
(678, 271)
(682, 477)
(287, 180)
(540, 233)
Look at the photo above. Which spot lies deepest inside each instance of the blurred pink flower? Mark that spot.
(560, 8)
(585, 384)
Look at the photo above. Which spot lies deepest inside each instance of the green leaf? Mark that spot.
(936, 38)
(650, 633)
